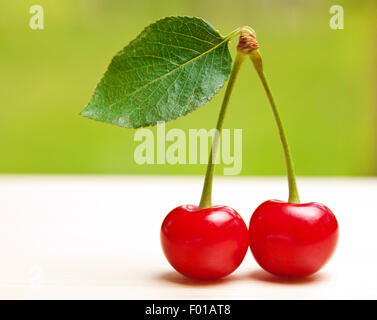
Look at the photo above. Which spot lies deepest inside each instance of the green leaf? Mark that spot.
(174, 66)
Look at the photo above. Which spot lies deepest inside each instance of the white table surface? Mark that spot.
(97, 237)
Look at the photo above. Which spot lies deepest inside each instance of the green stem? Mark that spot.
(293, 193)
(206, 199)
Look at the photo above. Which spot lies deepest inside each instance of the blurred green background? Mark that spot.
(324, 81)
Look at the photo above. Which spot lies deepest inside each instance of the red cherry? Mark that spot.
(292, 239)
(204, 244)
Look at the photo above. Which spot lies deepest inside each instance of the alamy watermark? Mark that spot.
(175, 147)
(337, 20)
(36, 21)
(36, 276)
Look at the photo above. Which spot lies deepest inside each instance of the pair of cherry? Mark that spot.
(286, 239)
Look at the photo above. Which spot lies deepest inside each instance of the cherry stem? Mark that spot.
(206, 199)
(293, 193)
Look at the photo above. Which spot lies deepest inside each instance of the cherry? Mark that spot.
(207, 242)
(204, 244)
(292, 239)
(289, 238)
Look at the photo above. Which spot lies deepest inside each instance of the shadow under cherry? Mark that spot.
(176, 278)
(257, 275)
(263, 276)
